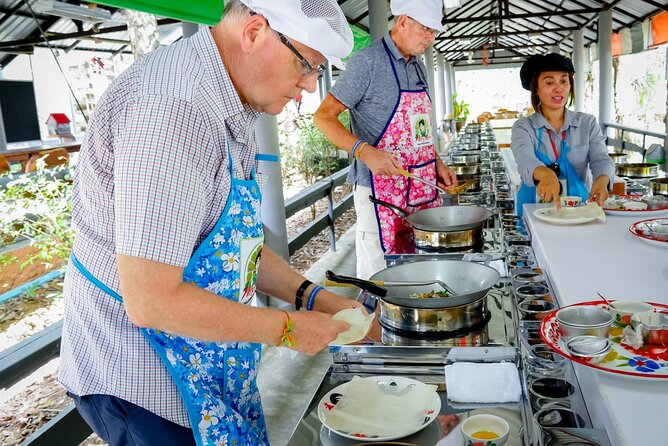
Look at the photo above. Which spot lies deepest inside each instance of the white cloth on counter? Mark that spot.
(469, 382)
(381, 409)
(360, 324)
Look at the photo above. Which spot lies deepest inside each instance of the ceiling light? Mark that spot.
(74, 12)
(464, 41)
(534, 36)
(452, 3)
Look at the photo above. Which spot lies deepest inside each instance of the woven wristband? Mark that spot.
(287, 338)
(355, 146)
(299, 297)
(359, 150)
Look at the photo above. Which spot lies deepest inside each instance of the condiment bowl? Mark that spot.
(623, 310)
(571, 201)
(654, 326)
(485, 429)
(583, 320)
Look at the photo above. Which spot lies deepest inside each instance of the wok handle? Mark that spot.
(397, 210)
(354, 281)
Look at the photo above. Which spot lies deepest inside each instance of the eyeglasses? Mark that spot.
(308, 68)
(425, 29)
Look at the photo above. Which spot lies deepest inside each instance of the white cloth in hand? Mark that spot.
(380, 409)
(468, 382)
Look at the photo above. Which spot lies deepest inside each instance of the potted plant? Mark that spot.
(460, 110)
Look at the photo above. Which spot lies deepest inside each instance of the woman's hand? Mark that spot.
(379, 161)
(548, 185)
(445, 177)
(599, 190)
(313, 330)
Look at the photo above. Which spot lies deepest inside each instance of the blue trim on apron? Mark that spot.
(217, 380)
(574, 184)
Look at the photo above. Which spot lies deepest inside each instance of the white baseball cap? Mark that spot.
(318, 24)
(426, 12)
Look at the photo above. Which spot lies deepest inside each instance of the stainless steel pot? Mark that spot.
(618, 157)
(442, 219)
(468, 308)
(637, 170)
(465, 158)
(659, 186)
(465, 169)
(439, 240)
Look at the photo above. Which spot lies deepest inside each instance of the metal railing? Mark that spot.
(68, 428)
(622, 144)
(309, 196)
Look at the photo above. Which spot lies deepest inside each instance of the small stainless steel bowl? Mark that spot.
(534, 310)
(589, 348)
(584, 320)
(656, 331)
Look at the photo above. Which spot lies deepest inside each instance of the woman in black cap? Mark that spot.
(558, 151)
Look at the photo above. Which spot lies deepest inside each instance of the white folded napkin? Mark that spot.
(374, 409)
(359, 325)
(468, 382)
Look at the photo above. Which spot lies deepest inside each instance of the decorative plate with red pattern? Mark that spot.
(646, 362)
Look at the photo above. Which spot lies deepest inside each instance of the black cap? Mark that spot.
(539, 63)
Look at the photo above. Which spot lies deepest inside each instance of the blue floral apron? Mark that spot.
(574, 184)
(217, 380)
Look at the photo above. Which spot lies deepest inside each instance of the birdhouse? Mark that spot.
(59, 125)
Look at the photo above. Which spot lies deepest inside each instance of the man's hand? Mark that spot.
(379, 161)
(445, 177)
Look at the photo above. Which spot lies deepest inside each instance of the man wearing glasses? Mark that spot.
(160, 343)
(385, 89)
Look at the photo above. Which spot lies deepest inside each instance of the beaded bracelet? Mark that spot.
(287, 339)
(355, 146)
(311, 298)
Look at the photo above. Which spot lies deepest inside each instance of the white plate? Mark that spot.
(638, 230)
(628, 213)
(547, 215)
(332, 397)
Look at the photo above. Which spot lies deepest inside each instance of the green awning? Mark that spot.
(206, 12)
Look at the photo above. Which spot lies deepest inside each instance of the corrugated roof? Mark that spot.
(507, 29)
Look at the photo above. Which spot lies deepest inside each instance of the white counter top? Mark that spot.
(605, 257)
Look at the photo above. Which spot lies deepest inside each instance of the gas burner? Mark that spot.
(476, 335)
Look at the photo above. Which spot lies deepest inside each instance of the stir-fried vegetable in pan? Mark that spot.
(429, 294)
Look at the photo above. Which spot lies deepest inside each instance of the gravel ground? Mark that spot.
(24, 409)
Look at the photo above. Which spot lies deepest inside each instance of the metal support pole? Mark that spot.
(273, 203)
(452, 89)
(327, 77)
(429, 62)
(330, 214)
(189, 28)
(605, 66)
(439, 91)
(378, 13)
(580, 69)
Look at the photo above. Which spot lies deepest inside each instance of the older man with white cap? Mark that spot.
(385, 89)
(160, 345)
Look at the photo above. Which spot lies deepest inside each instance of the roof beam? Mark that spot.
(523, 16)
(511, 33)
(58, 36)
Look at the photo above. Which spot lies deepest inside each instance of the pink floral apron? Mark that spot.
(407, 136)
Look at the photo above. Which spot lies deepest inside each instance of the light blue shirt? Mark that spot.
(588, 155)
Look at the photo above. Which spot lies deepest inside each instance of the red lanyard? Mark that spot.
(554, 148)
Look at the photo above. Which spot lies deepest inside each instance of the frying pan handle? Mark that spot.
(363, 284)
(397, 210)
